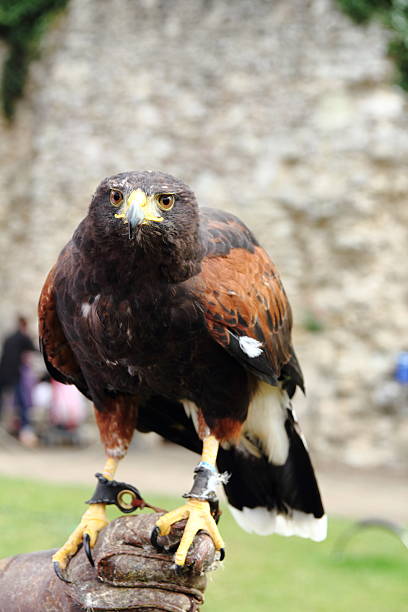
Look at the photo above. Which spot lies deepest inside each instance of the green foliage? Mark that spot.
(362, 11)
(22, 23)
(394, 15)
(260, 574)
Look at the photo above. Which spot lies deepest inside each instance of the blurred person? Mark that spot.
(68, 408)
(41, 405)
(58, 410)
(16, 375)
(42, 396)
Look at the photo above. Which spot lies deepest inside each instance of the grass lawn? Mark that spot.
(260, 573)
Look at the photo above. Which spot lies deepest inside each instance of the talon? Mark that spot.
(153, 539)
(92, 522)
(199, 518)
(179, 569)
(172, 549)
(222, 554)
(87, 548)
(154, 542)
(58, 571)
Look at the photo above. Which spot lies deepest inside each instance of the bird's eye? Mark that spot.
(116, 197)
(166, 201)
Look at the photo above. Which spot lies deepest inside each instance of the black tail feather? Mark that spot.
(254, 481)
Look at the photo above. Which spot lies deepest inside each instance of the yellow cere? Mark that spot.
(139, 198)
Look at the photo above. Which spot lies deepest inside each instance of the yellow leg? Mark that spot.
(92, 522)
(196, 511)
(210, 450)
(110, 468)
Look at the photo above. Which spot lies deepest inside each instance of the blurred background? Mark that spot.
(289, 114)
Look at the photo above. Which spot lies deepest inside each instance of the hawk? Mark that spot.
(172, 318)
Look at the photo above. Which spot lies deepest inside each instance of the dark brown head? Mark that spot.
(150, 218)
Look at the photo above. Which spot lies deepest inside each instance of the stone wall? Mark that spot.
(282, 112)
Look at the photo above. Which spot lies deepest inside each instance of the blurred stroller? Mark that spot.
(59, 413)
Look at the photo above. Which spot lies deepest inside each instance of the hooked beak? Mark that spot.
(139, 209)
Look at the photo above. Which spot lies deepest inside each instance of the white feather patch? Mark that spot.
(265, 522)
(214, 481)
(118, 451)
(85, 308)
(111, 364)
(266, 422)
(250, 346)
(191, 411)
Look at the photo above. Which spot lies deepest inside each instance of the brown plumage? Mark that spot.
(244, 296)
(146, 310)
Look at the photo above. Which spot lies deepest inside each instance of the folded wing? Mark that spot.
(246, 307)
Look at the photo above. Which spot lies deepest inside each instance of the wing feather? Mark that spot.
(58, 355)
(243, 296)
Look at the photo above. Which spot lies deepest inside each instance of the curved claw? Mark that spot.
(154, 542)
(153, 539)
(222, 554)
(180, 569)
(197, 513)
(172, 549)
(87, 547)
(58, 571)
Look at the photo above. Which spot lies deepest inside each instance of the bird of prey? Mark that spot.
(172, 318)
